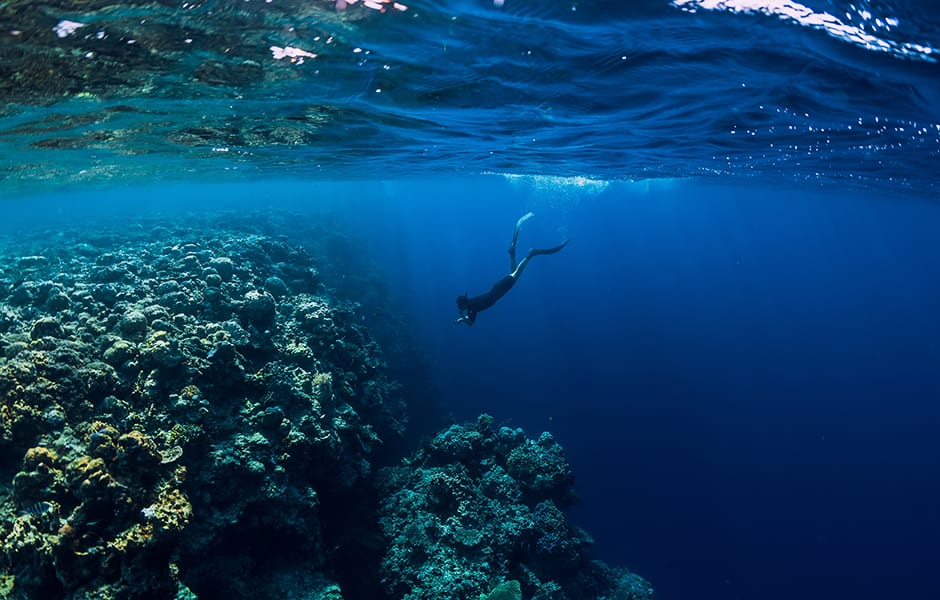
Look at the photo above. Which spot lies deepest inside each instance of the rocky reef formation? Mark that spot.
(190, 409)
(477, 513)
(178, 403)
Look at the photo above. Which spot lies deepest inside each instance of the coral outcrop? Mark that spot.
(477, 513)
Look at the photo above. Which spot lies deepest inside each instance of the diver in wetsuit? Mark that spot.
(469, 307)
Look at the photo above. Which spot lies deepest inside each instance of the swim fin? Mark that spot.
(539, 251)
(523, 219)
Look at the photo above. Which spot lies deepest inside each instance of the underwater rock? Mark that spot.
(223, 266)
(119, 353)
(133, 324)
(276, 287)
(259, 307)
(213, 280)
(57, 301)
(23, 294)
(46, 327)
(161, 350)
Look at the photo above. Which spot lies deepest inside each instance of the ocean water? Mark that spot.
(738, 349)
(744, 380)
(772, 91)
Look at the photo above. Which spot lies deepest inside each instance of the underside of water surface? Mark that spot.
(103, 91)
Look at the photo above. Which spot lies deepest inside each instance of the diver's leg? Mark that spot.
(515, 238)
(520, 267)
(535, 252)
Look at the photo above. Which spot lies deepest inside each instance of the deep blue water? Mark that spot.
(738, 349)
(745, 380)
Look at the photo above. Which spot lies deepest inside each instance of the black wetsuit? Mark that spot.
(469, 307)
(484, 301)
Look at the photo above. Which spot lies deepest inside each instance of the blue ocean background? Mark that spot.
(745, 380)
(738, 349)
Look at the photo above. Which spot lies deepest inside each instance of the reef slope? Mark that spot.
(189, 410)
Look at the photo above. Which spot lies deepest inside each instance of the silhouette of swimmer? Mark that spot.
(469, 307)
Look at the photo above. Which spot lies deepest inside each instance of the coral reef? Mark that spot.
(178, 378)
(476, 513)
(191, 410)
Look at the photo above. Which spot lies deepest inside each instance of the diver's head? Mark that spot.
(462, 303)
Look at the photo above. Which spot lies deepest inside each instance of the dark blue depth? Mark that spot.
(744, 379)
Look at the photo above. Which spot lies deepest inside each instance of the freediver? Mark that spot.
(469, 307)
